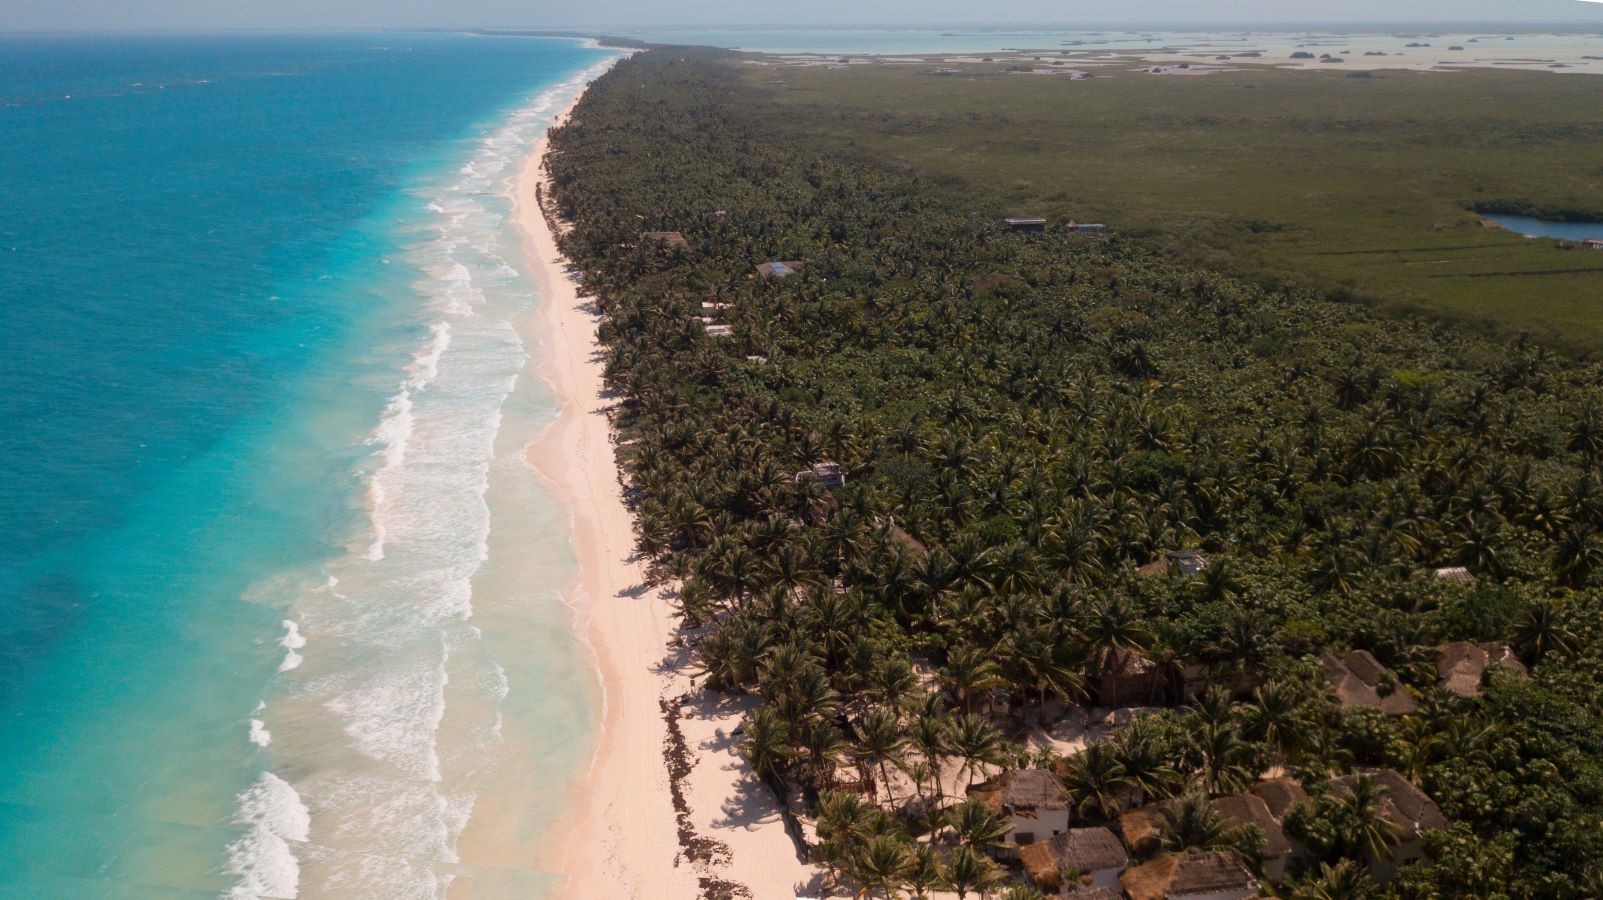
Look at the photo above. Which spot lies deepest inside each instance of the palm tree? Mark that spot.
(1275, 717)
(1114, 627)
(1346, 880)
(976, 826)
(930, 735)
(1096, 782)
(845, 823)
(880, 740)
(766, 747)
(976, 742)
(884, 863)
(1144, 762)
(970, 673)
(1363, 826)
(1576, 555)
(923, 871)
(1224, 760)
(1542, 630)
(1191, 824)
(968, 871)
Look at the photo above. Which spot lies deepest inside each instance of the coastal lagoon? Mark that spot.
(1387, 48)
(278, 596)
(1572, 231)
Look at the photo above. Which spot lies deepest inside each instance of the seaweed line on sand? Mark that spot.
(703, 852)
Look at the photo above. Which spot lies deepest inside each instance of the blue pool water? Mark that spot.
(258, 392)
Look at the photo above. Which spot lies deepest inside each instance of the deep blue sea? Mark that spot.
(261, 396)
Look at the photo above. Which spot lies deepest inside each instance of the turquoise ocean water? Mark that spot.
(278, 599)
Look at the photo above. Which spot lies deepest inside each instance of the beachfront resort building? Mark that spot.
(1077, 858)
(1033, 801)
(1214, 875)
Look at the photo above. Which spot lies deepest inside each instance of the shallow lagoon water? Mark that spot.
(1573, 231)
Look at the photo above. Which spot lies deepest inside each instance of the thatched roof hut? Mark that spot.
(1141, 829)
(1358, 680)
(1216, 875)
(1021, 792)
(1082, 850)
(1462, 665)
(1280, 794)
(1250, 809)
(1405, 805)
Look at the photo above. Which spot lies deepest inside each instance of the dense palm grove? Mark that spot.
(1023, 420)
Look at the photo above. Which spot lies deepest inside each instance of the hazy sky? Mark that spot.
(53, 14)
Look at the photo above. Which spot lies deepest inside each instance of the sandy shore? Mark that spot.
(634, 829)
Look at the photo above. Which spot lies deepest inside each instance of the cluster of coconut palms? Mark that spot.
(1024, 421)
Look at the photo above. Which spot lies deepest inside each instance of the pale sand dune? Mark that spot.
(622, 837)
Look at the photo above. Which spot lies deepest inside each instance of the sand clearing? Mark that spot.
(632, 831)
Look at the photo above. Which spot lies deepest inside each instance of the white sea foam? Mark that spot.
(274, 817)
(292, 642)
(259, 735)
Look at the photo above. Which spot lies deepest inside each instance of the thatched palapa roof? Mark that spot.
(1462, 664)
(1082, 850)
(1356, 679)
(1218, 874)
(1405, 804)
(1280, 794)
(1250, 809)
(1021, 792)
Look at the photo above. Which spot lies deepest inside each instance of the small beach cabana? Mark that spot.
(1094, 853)
(1594, 243)
(1033, 801)
(1214, 875)
(1025, 223)
(670, 240)
(780, 268)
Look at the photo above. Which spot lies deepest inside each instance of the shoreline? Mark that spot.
(665, 809)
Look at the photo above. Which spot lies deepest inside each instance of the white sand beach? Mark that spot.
(623, 835)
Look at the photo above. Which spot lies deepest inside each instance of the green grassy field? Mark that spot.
(1359, 185)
